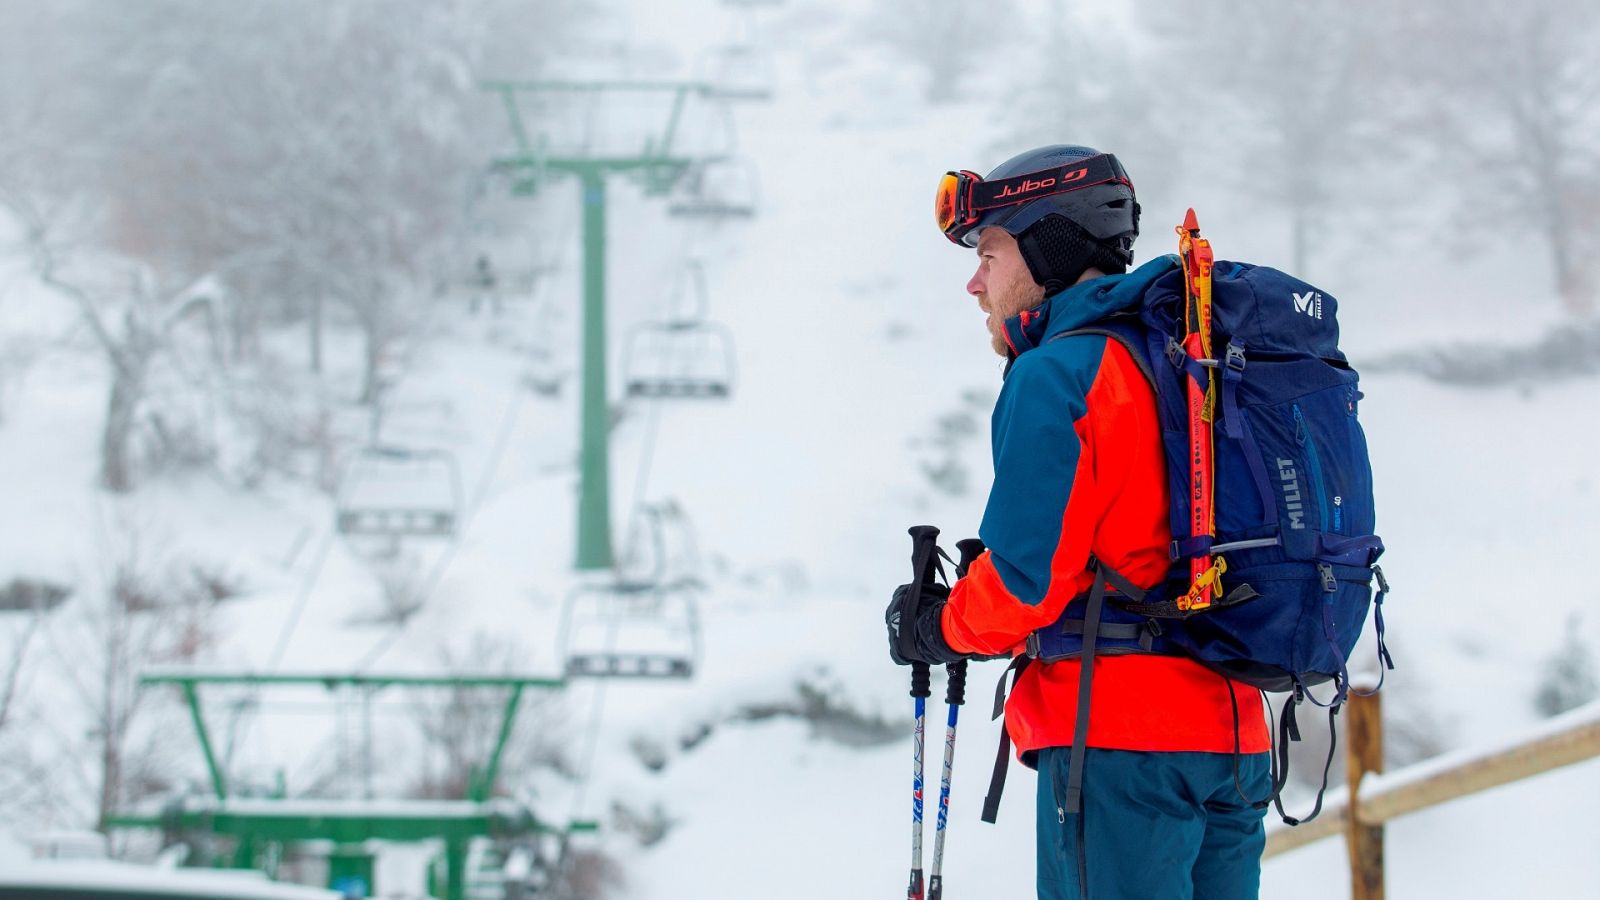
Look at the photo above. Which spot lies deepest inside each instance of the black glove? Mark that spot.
(927, 635)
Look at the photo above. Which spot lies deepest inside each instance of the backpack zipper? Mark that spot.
(1302, 435)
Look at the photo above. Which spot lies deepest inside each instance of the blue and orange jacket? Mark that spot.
(1079, 469)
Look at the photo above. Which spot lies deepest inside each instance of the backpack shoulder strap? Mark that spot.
(1126, 336)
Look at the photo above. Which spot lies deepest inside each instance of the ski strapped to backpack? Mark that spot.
(1195, 253)
(1274, 554)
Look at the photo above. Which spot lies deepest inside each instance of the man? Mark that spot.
(1173, 753)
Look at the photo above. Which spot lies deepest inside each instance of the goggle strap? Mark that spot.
(1085, 173)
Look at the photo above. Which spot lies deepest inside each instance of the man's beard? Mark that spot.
(1008, 302)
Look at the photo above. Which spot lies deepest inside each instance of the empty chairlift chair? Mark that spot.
(735, 72)
(716, 191)
(660, 546)
(684, 356)
(394, 492)
(631, 629)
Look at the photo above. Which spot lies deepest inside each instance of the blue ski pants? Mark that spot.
(1154, 826)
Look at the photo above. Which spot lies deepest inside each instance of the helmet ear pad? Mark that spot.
(1058, 251)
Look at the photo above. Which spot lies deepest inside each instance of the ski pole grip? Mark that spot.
(969, 549)
(955, 685)
(924, 547)
(919, 680)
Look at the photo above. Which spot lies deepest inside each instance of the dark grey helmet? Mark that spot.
(1107, 212)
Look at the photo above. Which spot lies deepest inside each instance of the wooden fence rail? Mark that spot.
(1372, 798)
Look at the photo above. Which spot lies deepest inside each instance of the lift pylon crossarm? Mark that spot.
(176, 675)
(260, 828)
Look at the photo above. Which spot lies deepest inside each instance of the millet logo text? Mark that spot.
(1291, 493)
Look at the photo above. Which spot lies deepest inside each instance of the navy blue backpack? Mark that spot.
(1293, 508)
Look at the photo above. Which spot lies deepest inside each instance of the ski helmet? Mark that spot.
(1063, 232)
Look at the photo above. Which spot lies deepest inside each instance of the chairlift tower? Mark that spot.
(259, 829)
(659, 166)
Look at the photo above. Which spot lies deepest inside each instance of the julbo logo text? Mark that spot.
(1029, 185)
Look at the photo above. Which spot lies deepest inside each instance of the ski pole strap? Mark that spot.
(1002, 760)
(1080, 730)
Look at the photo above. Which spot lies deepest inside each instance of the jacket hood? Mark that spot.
(1083, 304)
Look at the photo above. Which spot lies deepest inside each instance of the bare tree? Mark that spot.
(942, 37)
(459, 729)
(1080, 80)
(1511, 95)
(300, 152)
(145, 610)
(1290, 95)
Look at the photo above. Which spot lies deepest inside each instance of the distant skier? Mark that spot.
(484, 285)
(1172, 749)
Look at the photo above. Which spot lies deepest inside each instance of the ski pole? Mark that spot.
(954, 695)
(924, 544)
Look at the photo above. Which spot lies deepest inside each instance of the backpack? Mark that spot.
(1293, 506)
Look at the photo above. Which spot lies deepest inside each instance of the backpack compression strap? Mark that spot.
(1092, 627)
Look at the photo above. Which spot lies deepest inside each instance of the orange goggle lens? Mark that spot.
(944, 205)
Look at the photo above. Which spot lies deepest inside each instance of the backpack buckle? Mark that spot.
(1031, 648)
(1235, 357)
(1330, 584)
(1175, 354)
(1383, 583)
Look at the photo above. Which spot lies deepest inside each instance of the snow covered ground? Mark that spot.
(854, 337)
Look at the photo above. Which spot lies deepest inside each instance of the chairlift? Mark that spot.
(684, 355)
(717, 190)
(736, 72)
(544, 375)
(659, 546)
(644, 629)
(396, 492)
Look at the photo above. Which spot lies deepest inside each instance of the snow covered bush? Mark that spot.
(1567, 679)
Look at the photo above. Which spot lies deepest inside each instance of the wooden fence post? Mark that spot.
(1364, 754)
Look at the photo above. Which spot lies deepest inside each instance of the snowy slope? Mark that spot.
(853, 336)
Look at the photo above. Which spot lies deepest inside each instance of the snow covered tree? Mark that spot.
(1512, 95)
(947, 39)
(1084, 81)
(1290, 95)
(313, 162)
(143, 608)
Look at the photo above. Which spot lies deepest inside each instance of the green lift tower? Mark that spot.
(658, 166)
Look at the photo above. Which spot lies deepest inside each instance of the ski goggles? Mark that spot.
(964, 198)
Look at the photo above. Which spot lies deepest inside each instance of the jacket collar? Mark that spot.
(1083, 304)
